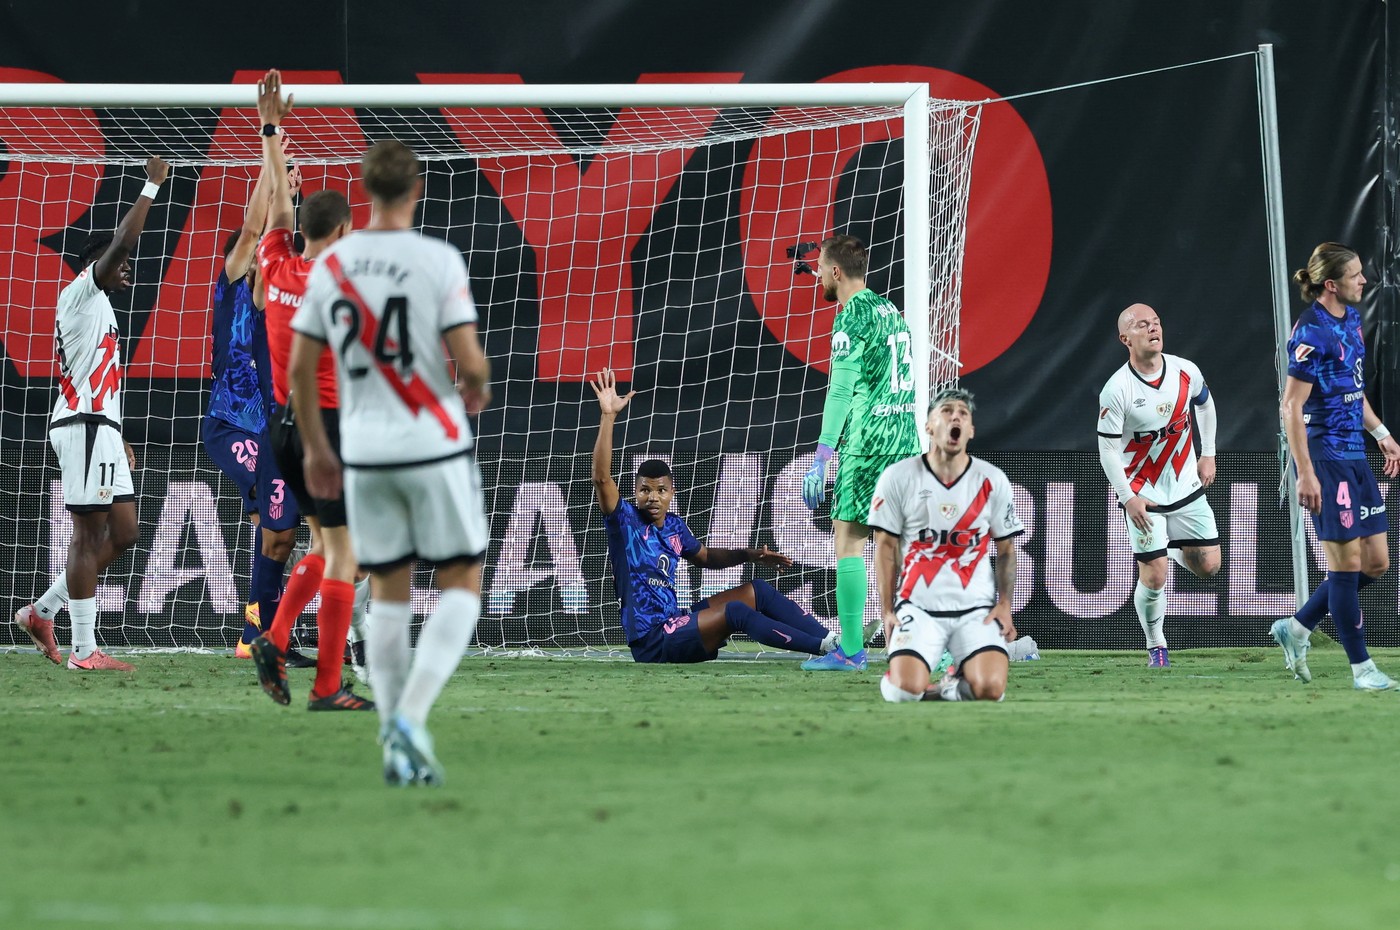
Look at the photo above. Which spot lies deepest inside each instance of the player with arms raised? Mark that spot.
(869, 415)
(1147, 451)
(935, 518)
(1324, 410)
(646, 542)
(86, 433)
(330, 566)
(388, 300)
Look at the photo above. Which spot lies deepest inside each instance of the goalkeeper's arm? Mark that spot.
(844, 377)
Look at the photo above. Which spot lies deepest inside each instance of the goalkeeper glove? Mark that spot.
(814, 482)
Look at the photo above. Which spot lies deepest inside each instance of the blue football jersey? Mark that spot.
(236, 396)
(1330, 353)
(644, 558)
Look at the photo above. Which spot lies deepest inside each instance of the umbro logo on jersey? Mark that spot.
(1302, 351)
(949, 511)
(1139, 401)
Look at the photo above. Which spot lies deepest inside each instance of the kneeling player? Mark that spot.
(936, 516)
(644, 542)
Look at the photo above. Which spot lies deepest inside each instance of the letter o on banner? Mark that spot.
(789, 191)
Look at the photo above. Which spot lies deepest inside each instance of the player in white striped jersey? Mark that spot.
(86, 433)
(936, 517)
(387, 299)
(1146, 447)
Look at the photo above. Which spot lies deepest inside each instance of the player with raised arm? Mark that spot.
(388, 299)
(330, 566)
(1147, 451)
(85, 431)
(869, 415)
(646, 542)
(235, 424)
(935, 517)
(1324, 410)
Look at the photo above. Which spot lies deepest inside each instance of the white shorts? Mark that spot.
(1191, 524)
(433, 512)
(92, 459)
(927, 636)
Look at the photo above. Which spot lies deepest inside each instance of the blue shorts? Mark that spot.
(1352, 507)
(275, 500)
(674, 640)
(235, 452)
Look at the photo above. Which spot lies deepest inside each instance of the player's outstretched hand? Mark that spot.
(605, 386)
(157, 170)
(814, 482)
(1310, 493)
(1205, 467)
(271, 107)
(766, 556)
(322, 474)
(1001, 616)
(1391, 450)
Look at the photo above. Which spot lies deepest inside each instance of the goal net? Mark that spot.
(659, 230)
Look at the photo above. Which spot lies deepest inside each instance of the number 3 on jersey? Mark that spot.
(388, 350)
(901, 363)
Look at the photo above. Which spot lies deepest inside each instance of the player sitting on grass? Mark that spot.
(645, 542)
(936, 516)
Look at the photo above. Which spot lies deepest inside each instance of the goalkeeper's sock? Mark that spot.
(1315, 608)
(851, 589)
(83, 612)
(388, 652)
(1151, 611)
(51, 601)
(301, 588)
(440, 648)
(332, 624)
(772, 603)
(267, 588)
(1345, 608)
(741, 618)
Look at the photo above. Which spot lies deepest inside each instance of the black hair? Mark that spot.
(231, 241)
(97, 244)
(653, 468)
(950, 394)
(322, 212)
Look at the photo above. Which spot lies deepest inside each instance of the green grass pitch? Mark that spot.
(732, 795)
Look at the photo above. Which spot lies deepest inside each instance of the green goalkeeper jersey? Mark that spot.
(871, 339)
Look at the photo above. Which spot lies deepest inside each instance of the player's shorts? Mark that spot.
(1352, 507)
(287, 448)
(433, 512)
(856, 476)
(92, 460)
(1191, 524)
(276, 505)
(927, 634)
(675, 640)
(235, 452)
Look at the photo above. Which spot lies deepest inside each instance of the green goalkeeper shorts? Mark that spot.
(855, 485)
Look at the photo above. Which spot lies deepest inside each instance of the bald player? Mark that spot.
(1146, 447)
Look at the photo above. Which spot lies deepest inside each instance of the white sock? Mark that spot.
(1298, 630)
(358, 615)
(440, 647)
(388, 653)
(833, 639)
(83, 612)
(1151, 610)
(897, 695)
(1176, 555)
(1360, 668)
(51, 601)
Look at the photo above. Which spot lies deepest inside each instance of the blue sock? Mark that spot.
(1312, 612)
(268, 593)
(744, 619)
(1345, 608)
(772, 603)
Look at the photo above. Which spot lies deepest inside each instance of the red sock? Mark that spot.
(301, 588)
(332, 626)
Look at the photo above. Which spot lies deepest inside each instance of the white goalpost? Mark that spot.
(658, 229)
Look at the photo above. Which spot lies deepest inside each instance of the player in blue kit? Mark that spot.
(645, 543)
(1324, 411)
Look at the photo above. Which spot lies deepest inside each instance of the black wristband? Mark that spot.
(270, 130)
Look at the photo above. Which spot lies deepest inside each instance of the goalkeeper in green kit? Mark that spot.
(869, 416)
